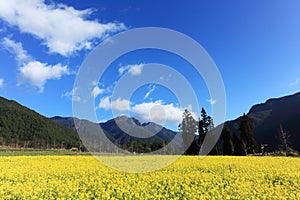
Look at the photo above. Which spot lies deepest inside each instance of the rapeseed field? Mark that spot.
(84, 177)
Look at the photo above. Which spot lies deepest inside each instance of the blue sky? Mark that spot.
(255, 45)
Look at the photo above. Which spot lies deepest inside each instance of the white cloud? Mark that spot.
(296, 82)
(165, 78)
(151, 89)
(62, 28)
(157, 112)
(96, 91)
(118, 104)
(1, 82)
(105, 103)
(134, 70)
(33, 72)
(212, 101)
(72, 94)
(37, 74)
(16, 48)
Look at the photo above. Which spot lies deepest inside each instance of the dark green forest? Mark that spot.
(22, 127)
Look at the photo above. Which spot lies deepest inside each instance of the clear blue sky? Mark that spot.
(255, 45)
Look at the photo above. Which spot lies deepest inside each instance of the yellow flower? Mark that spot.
(68, 177)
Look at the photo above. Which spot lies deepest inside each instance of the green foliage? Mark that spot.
(143, 147)
(22, 127)
(227, 141)
(246, 132)
(39, 152)
(188, 127)
(205, 120)
(237, 146)
(201, 132)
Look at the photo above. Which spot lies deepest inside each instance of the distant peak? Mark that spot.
(122, 117)
(146, 124)
(57, 117)
(126, 118)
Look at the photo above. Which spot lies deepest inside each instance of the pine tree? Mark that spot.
(212, 136)
(226, 141)
(211, 124)
(205, 120)
(201, 133)
(188, 127)
(248, 142)
(237, 146)
(202, 129)
(206, 128)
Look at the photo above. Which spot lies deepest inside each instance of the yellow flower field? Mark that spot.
(83, 177)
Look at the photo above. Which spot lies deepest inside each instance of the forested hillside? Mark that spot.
(22, 127)
(266, 119)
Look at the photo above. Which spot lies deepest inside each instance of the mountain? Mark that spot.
(149, 132)
(267, 117)
(24, 127)
(121, 130)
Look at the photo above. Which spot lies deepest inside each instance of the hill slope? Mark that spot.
(267, 117)
(24, 127)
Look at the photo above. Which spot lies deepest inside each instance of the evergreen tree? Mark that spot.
(237, 146)
(248, 142)
(206, 128)
(226, 141)
(211, 124)
(200, 132)
(212, 136)
(202, 128)
(188, 127)
(205, 120)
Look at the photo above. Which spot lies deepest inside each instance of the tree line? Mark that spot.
(195, 131)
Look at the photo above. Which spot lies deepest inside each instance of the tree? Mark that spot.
(237, 146)
(188, 127)
(248, 142)
(212, 137)
(206, 129)
(205, 120)
(211, 124)
(226, 141)
(202, 128)
(284, 145)
(200, 132)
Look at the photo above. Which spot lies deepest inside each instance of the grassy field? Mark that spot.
(84, 177)
(19, 152)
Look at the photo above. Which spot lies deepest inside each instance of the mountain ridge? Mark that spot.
(117, 129)
(267, 117)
